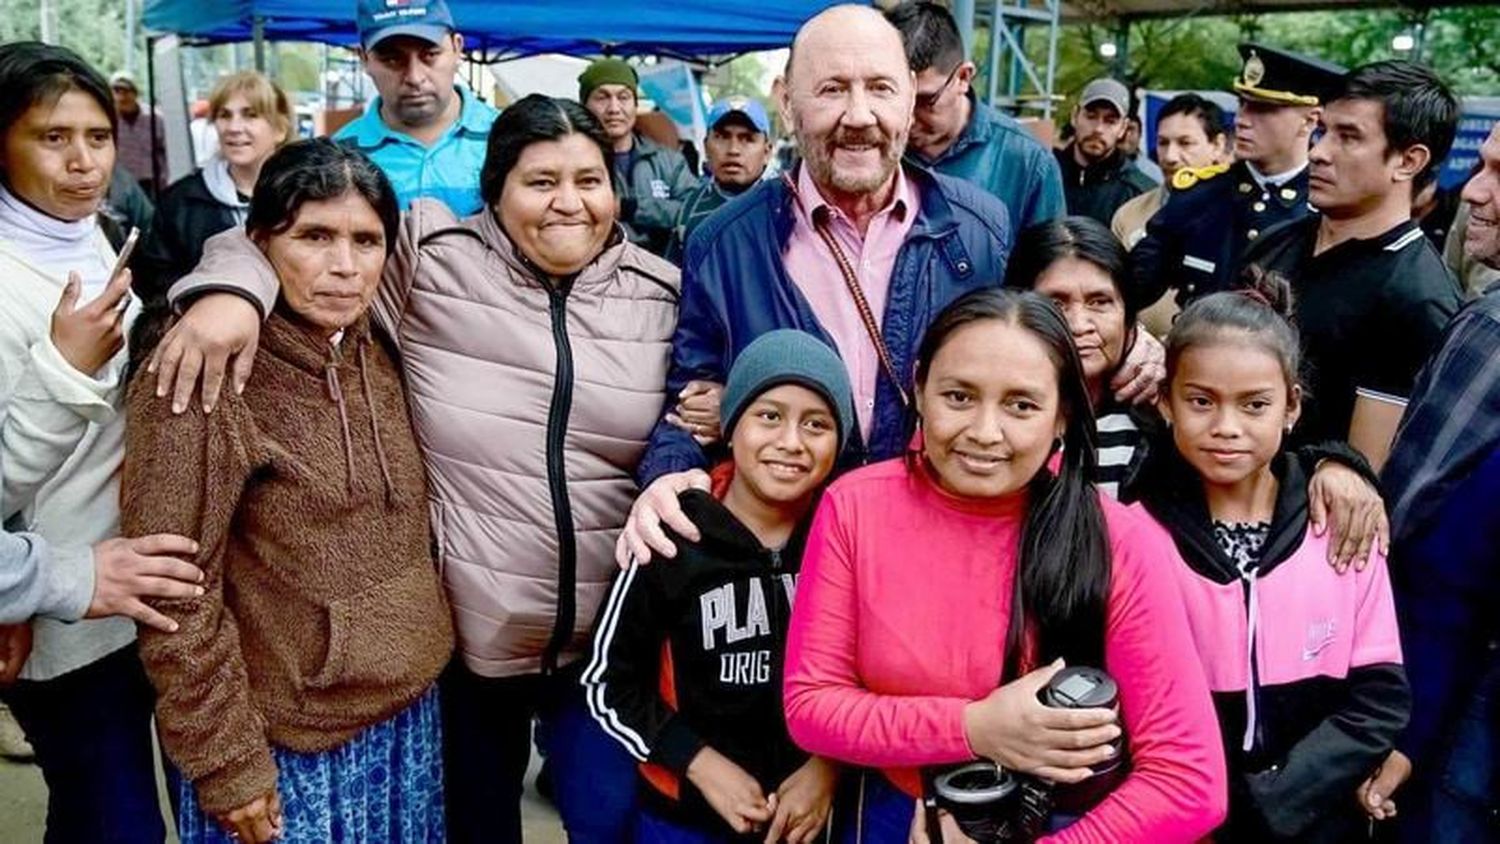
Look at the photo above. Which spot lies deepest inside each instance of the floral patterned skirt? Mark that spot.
(385, 784)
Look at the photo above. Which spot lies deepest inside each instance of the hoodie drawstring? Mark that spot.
(385, 469)
(1250, 680)
(336, 394)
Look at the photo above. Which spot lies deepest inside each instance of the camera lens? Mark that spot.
(981, 797)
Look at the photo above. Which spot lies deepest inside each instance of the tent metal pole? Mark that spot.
(153, 115)
(1055, 7)
(1016, 77)
(258, 39)
(130, 14)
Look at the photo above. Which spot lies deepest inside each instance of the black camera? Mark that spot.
(996, 806)
(1087, 688)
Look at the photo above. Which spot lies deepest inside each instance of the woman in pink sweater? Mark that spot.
(970, 565)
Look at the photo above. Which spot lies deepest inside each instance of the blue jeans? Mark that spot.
(1460, 804)
(867, 809)
(91, 729)
(487, 745)
(651, 828)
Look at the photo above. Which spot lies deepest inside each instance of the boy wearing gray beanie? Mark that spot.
(706, 720)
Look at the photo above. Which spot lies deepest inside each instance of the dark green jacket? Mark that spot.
(702, 201)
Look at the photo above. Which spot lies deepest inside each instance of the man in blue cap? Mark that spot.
(427, 133)
(738, 147)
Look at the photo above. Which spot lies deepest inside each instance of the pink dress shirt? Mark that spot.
(873, 257)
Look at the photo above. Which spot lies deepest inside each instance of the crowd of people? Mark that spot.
(944, 486)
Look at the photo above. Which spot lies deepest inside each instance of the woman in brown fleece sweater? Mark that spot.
(297, 698)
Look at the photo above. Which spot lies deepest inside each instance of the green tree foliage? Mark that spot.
(95, 29)
(1461, 43)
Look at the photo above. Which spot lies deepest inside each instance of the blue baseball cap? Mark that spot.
(751, 109)
(428, 20)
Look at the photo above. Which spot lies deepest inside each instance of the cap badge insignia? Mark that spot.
(1255, 70)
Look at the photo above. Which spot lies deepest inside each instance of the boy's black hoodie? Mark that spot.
(689, 653)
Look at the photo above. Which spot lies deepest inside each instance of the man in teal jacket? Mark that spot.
(651, 180)
(956, 135)
(425, 132)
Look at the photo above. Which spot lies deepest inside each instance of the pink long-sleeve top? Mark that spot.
(900, 622)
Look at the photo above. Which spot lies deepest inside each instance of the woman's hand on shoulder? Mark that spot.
(642, 537)
(1341, 500)
(1013, 728)
(218, 334)
(1140, 376)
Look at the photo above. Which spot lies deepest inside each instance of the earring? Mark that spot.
(1057, 444)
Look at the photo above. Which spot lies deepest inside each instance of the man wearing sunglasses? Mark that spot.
(955, 134)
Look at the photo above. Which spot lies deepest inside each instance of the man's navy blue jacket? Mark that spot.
(735, 287)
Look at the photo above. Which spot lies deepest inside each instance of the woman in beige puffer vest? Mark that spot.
(534, 340)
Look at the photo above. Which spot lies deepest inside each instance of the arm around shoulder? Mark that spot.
(231, 263)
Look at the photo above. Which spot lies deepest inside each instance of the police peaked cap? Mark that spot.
(1281, 77)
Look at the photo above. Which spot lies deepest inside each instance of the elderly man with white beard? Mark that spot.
(852, 246)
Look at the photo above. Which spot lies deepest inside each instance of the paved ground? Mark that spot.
(23, 808)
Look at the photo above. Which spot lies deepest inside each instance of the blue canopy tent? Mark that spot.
(498, 30)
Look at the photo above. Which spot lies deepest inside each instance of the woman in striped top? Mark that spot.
(1078, 264)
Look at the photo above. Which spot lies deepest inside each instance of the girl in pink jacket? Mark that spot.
(939, 595)
(1304, 662)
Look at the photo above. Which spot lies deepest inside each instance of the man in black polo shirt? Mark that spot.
(1371, 294)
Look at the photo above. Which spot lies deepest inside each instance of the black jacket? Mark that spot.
(186, 216)
(689, 653)
(1099, 190)
(1316, 737)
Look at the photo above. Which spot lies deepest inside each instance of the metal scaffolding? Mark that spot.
(1015, 81)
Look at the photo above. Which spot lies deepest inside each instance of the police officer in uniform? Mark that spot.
(1195, 243)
